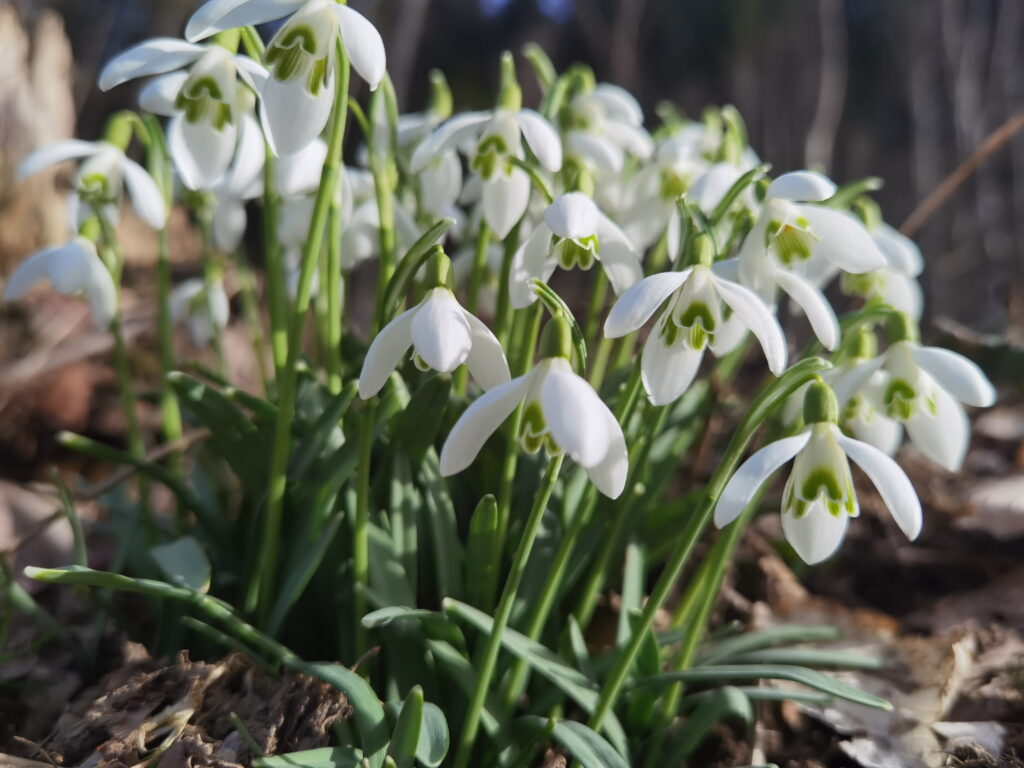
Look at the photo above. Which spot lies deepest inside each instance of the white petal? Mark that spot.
(486, 361)
(229, 222)
(480, 421)
(708, 191)
(944, 436)
(505, 201)
(575, 415)
(753, 473)
(440, 332)
(903, 293)
(159, 94)
(956, 374)
(814, 304)
(219, 15)
(363, 45)
(385, 353)
(620, 262)
(244, 178)
(201, 152)
(572, 215)
(802, 186)
(450, 135)
(299, 173)
(633, 139)
(636, 305)
(892, 483)
(843, 239)
(542, 138)
(852, 381)
(667, 371)
(147, 200)
(597, 149)
(292, 116)
(619, 103)
(152, 57)
(58, 152)
(817, 534)
(754, 313)
(880, 431)
(902, 253)
(610, 475)
(532, 261)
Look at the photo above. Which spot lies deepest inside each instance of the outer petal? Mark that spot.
(599, 150)
(814, 304)
(159, 94)
(201, 153)
(610, 475)
(292, 116)
(618, 259)
(944, 436)
(542, 139)
(754, 313)
(880, 431)
(229, 222)
(152, 57)
(218, 15)
(299, 173)
(903, 254)
(486, 360)
(633, 138)
(575, 415)
(58, 152)
(532, 261)
(892, 483)
(619, 103)
(852, 381)
(450, 135)
(844, 240)
(440, 332)
(244, 177)
(753, 473)
(385, 353)
(667, 371)
(572, 215)
(817, 534)
(636, 305)
(903, 293)
(480, 421)
(505, 201)
(803, 186)
(956, 374)
(363, 44)
(147, 200)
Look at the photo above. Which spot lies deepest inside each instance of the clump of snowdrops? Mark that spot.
(441, 507)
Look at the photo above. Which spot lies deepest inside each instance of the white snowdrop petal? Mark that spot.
(753, 473)
(505, 201)
(575, 415)
(597, 149)
(667, 371)
(292, 116)
(754, 314)
(619, 103)
(244, 178)
(440, 332)
(542, 138)
(159, 94)
(219, 15)
(901, 252)
(532, 261)
(959, 376)
(573, 215)
(201, 152)
(385, 353)
(880, 431)
(620, 262)
(611, 473)
(850, 382)
(450, 135)
(299, 173)
(480, 421)
(816, 535)
(903, 293)
(943, 436)
(802, 186)
(152, 57)
(58, 152)
(636, 305)
(147, 200)
(819, 312)
(486, 360)
(892, 483)
(843, 240)
(634, 139)
(229, 222)
(363, 45)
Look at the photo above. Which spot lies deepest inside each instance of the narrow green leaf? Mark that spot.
(810, 657)
(325, 757)
(752, 641)
(735, 191)
(419, 423)
(482, 555)
(406, 736)
(384, 616)
(463, 674)
(434, 737)
(300, 572)
(760, 693)
(183, 562)
(316, 439)
(587, 746)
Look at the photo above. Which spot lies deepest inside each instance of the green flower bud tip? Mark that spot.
(556, 339)
(439, 269)
(118, 130)
(868, 211)
(485, 516)
(510, 95)
(820, 404)
(703, 251)
(901, 328)
(229, 39)
(440, 95)
(863, 344)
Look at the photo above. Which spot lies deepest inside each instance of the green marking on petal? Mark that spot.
(673, 185)
(900, 399)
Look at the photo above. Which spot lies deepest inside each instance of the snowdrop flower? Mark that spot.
(695, 302)
(101, 175)
(74, 269)
(562, 414)
(574, 233)
(605, 124)
(204, 103)
(924, 389)
(443, 336)
(203, 313)
(896, 283)
(819, 498)
(242, 182)
(299, 94)
(490, 139)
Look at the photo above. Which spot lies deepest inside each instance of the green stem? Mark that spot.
(489, 659)
(597, 299)
(334, 290)
(503, 319)
(361, 528)
(211, 277)
(771, 398)
(476, 278)
(267, 569)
